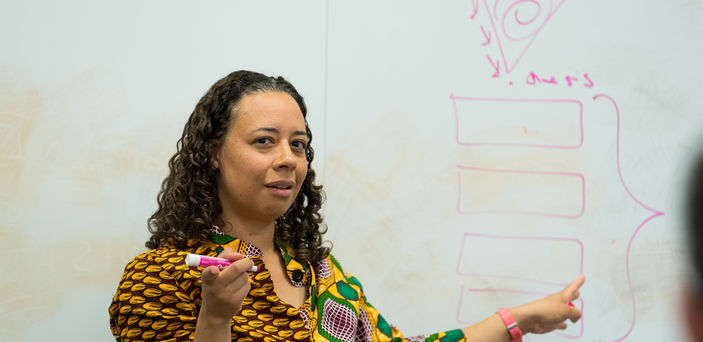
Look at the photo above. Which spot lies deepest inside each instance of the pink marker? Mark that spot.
(205, 261)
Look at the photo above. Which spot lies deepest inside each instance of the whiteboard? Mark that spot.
(475, 153)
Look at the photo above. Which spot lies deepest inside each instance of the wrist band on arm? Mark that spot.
(511, 324)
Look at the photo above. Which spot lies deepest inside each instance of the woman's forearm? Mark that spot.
(209, 329)
(491, 329)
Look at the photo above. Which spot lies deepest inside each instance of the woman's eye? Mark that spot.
(300, 144)
(264, 141)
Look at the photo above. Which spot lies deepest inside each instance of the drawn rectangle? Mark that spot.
(546, 260)
(471, 298)
(544, 123)
(502, 191)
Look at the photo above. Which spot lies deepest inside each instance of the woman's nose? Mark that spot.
(285, 157)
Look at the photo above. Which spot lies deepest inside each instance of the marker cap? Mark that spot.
(192, 260)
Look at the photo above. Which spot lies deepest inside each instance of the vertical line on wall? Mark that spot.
(324, 118)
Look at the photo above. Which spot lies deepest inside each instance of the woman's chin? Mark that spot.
(277, 213)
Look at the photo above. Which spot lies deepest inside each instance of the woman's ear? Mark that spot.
(215, 157)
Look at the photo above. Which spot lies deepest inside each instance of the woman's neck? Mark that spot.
(259, 234)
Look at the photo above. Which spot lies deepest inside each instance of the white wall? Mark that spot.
(93, 97)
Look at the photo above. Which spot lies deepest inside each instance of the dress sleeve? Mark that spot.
(157, 299)
(371, 326)
(378, 329)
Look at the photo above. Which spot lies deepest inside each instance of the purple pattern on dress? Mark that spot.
(323, 269)
(252, 251)
(217, 231)
(306, 319)
(363, 328)
(338, 320)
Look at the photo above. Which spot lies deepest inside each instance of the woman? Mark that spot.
(241, 187)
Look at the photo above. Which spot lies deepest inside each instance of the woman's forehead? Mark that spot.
(271, 108)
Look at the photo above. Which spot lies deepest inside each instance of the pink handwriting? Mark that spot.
(569, 80)
(514, 31)
(550, 108)
(475, 9)
(575, 211)
(527, 244)
(502, 33)
(496, 67)
(487, 36)
(655, 213)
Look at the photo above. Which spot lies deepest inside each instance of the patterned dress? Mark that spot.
(158, 299)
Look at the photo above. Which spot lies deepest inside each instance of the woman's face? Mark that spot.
(262, 161)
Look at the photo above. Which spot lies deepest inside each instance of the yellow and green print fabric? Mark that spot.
(158, 299)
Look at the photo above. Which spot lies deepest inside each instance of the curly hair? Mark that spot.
(188, 201)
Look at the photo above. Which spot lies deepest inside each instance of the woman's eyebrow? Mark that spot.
(267, 129)
(275, 130)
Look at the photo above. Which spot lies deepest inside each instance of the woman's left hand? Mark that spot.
(551, 312)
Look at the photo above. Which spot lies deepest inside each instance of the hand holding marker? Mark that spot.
(205, 261)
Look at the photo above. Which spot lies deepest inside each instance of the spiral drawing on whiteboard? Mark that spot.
(522, 19)
(514, 24)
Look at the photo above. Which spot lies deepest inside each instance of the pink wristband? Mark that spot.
(513, 328)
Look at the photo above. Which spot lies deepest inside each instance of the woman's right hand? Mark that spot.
(224, 290)
(551, 312)
(539, 317)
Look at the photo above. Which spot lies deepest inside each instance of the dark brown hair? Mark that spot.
(695, 221)
(188, 202)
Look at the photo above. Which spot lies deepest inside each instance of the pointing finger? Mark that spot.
(571, 291)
